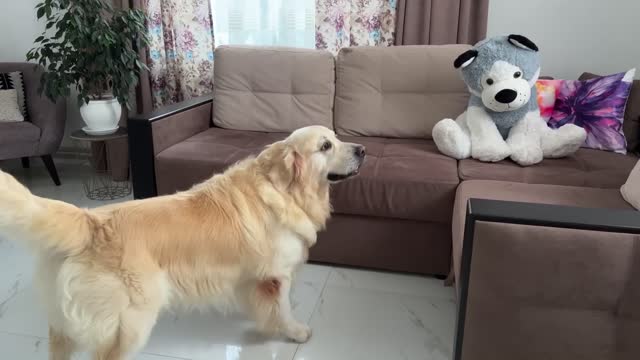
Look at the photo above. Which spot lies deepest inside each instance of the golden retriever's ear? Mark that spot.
(285, 164)
(294, 164)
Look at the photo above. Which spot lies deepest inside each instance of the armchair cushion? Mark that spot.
(9, 111)
(18, 139)
(15, 81)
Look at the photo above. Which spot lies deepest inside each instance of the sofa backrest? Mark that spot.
(398, 91)
(272, 89)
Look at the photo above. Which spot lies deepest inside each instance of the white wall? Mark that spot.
(19, 27)
(601, 36)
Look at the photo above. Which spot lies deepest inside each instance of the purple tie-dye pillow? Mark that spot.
(597, 105)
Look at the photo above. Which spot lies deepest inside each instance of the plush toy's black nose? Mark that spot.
(506, 96)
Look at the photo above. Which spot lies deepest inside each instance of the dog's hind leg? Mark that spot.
(61, 347)
(133, 333)
(271, 309)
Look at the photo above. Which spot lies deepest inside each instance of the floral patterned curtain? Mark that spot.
(180, 55)
(342, 23)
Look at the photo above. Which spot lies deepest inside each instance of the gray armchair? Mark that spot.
(42, 134)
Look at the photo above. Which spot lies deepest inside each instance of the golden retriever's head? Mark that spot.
(314, 154)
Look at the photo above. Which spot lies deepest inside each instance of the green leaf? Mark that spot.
(40, 13)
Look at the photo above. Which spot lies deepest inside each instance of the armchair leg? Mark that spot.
(51, 167)
(25, 162)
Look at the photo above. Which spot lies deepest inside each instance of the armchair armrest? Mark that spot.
(494, 212)
(153, 132)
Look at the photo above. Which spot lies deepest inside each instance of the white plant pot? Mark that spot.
(101, 115)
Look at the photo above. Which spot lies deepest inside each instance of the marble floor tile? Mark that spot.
(20, 347)
(390, 282)
(359, 324)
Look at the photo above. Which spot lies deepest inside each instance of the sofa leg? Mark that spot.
(51, 167)
(25, 162)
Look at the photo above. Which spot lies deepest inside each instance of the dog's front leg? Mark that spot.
(273, 310)
(307, 231)
(290, 327)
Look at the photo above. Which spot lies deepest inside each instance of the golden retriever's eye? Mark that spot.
(326, 146)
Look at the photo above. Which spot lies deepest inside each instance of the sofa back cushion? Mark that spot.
(631, 124)
(398, 92)
(272, 89)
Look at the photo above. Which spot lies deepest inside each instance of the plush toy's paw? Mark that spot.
(526, 154)
(490, 152)
(563, 141)
(451, 140)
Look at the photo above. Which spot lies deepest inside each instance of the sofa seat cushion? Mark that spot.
(531, 193)
(587, 167)
(401, 179)
(210, 152)
(18, 139)
(19, 132)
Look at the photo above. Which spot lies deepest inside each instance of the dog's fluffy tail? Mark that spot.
(46, 225)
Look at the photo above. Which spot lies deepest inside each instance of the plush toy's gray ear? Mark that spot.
(465, 59)
(522, 42)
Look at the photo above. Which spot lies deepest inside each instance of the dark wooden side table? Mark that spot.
(99, 184)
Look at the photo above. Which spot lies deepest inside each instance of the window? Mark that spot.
(264, 22)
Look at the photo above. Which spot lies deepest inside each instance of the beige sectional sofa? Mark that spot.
(406, 210)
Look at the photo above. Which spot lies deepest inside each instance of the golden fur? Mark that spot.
(233, 241)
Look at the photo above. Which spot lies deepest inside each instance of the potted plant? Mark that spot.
(89, 45)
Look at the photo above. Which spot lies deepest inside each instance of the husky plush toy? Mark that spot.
(503, 118)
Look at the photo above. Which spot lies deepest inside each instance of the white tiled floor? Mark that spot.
(355, 314)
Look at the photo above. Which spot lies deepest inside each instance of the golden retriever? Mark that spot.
(233, 241)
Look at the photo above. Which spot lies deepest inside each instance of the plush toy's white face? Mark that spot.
(504, 87)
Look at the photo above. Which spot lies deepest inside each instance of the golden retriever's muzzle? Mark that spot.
(358, 154)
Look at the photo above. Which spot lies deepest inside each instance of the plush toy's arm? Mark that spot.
(486, 142)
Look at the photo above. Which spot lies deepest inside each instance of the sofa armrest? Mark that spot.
(151, 133)
(574, 232)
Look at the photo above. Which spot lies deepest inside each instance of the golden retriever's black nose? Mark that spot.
(360, 151)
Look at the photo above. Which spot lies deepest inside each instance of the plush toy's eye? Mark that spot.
(325, 146)
(517, 74)
(489, 81)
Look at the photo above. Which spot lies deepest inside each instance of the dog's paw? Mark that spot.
(308, 233)
(298, 332)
